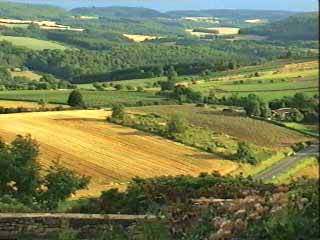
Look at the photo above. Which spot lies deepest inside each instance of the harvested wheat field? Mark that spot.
(140, 38)
(110, 154)
(29, 105)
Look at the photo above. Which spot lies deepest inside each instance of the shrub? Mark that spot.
(118, 112)
(244, 154)
(75, 99)
(118, 87)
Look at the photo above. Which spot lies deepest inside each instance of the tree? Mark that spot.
(244, 154)
(59, 184)
(253, 108)
(265, 110)
(172, 74)
(22, 179)
(177, 125)
(140, 89)
(118, 112)
(98, 86)
(297, 116)
(167, 85)
(75, 99)
(118, 87)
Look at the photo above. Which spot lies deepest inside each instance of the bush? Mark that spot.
(75, 99)
(244, 154)
(177, 125)
(140, 89)
(12, 205)
(118, 112)
(118, 87)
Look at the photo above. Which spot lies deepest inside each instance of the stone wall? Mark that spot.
(39, 225)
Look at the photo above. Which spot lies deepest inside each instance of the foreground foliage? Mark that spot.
(214, 207)
(23, 182)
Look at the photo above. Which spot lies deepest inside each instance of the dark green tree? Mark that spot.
(118, 112)
(177, 125)
(75, 99)
(172, 74)
(244, 154)
(22, 180)
(60, 183)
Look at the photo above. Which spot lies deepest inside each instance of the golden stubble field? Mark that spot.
(110, 154)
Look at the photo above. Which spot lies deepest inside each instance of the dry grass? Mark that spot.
(221, 31)
(109, 153)
(29, 105)
(28, 74)
(254, 21)
(139, 38)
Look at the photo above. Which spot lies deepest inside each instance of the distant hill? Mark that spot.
(233, 14)
(117, 12)
(298, 27)
(31, 11)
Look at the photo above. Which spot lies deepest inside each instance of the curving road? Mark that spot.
(287, 163)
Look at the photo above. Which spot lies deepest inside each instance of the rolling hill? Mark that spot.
(117, 12)
(298, 27)
(233, 14)
(31, 11)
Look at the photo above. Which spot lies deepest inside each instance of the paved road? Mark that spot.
(287, 163)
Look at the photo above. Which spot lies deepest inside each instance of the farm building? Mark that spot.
(284, 113)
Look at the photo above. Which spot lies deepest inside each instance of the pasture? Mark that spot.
(269, 83)
(32, 43)
(91, 98)
(111, 154)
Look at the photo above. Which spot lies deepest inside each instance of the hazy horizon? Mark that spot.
(170, 5)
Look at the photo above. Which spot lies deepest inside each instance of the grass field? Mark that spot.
(311, 129)
(32, 43)
(272, 81)
(146, 82)
(233, 124)
(83, 141)
(309, 168)
(91, 98)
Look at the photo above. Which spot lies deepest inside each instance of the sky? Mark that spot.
(167, 5)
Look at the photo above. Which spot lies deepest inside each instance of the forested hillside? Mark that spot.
(298, 27)
(118, 12)
(139, 61)
(31, 11)
(233, 14)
